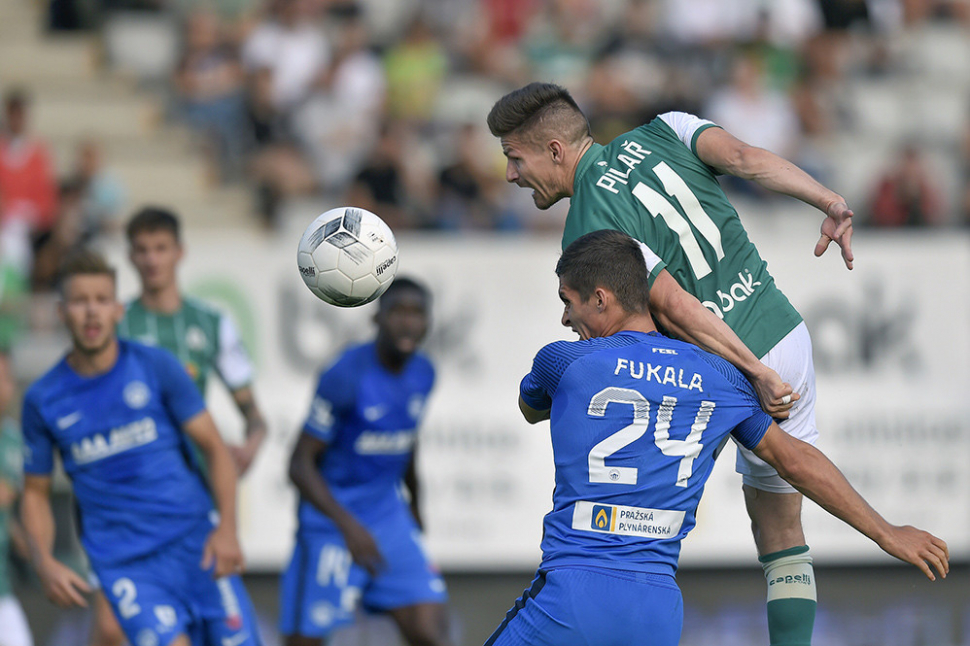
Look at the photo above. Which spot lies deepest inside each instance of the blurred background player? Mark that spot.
(633, 448)
(203, 339)
(649, 183)
(14, 630)
(358, 541)
(120, 415)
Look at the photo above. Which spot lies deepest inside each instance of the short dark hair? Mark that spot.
(609, 259)
(16, 98)
(83, 262)
(151, 219)
(402, 283)
(539, 109)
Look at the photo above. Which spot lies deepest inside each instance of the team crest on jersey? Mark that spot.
(136, 394)
(146, 637)
(166, 617)
(195, 338)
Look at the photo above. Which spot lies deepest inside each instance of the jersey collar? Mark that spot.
(591, 154)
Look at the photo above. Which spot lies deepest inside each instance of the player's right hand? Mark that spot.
(363, 548)
(62, 585)
(776, 396)
(837, 228)
(922, 549)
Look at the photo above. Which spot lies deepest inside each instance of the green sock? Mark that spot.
(791, 596)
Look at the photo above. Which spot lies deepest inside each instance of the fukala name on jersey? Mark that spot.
(369, 417)
(650, 184)
(120, 440)
(636, 422)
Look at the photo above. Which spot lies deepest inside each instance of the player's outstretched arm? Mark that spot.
(532, 415)
(222, 548)
(808, 470)
(685, 317)
(312, 487)
(728, 154)
(244, 455)
(61, 584)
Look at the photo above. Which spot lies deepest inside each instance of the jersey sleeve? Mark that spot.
(538, 387)
(232, 362)
(38, 441)
(179, 393)
(654, 263)
(331, 400)
(687, 126)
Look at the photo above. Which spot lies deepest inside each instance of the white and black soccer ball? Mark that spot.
(347, 256)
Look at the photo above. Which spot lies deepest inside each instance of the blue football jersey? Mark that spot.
(368, 416)
(636, 420)
(120, 440)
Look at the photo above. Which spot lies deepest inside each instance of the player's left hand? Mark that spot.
(922, 549)
(837, 228)
(243, 456)
(222, 550)
(776, 396)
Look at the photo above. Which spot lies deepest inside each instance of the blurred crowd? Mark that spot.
(381, 103)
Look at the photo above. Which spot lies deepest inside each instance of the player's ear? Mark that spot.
(557, 151)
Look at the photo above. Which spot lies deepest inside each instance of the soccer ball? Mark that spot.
(347, 256)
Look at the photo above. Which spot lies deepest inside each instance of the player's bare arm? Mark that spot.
(307, 479)
(532, 415)
(244, 455)
(685, 317)
(61, 584)
(413, 486)
(222, 548)
(808, 470)
(728, 154)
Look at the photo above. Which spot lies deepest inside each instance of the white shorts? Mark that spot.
(13, 624)
(791, 358)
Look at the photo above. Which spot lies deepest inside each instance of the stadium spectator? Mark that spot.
(28, 187)
(416, 68)
(14, 630)
(102, 193)
(339, 124)
(905, 195)
(283, 57)
(210, 93)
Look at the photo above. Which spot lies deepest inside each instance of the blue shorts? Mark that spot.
(580, 606)
(322, 587)
(167, 594)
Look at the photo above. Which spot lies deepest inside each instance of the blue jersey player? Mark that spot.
(358, 541)
(119, 414)
(637, 420)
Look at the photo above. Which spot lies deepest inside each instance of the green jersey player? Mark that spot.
(658, 184)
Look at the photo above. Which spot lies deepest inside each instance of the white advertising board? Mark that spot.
(891, 348)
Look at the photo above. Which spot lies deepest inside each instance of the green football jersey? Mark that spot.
(203, 339)
(650, 184)
(11, 472)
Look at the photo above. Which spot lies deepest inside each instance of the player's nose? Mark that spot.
(565, 319)
(510, 175)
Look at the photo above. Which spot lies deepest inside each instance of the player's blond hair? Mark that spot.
(84, 262)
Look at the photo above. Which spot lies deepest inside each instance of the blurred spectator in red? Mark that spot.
(102, 196)
(28, 188)
(284, 57)
(904, 195)
(210, 93)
